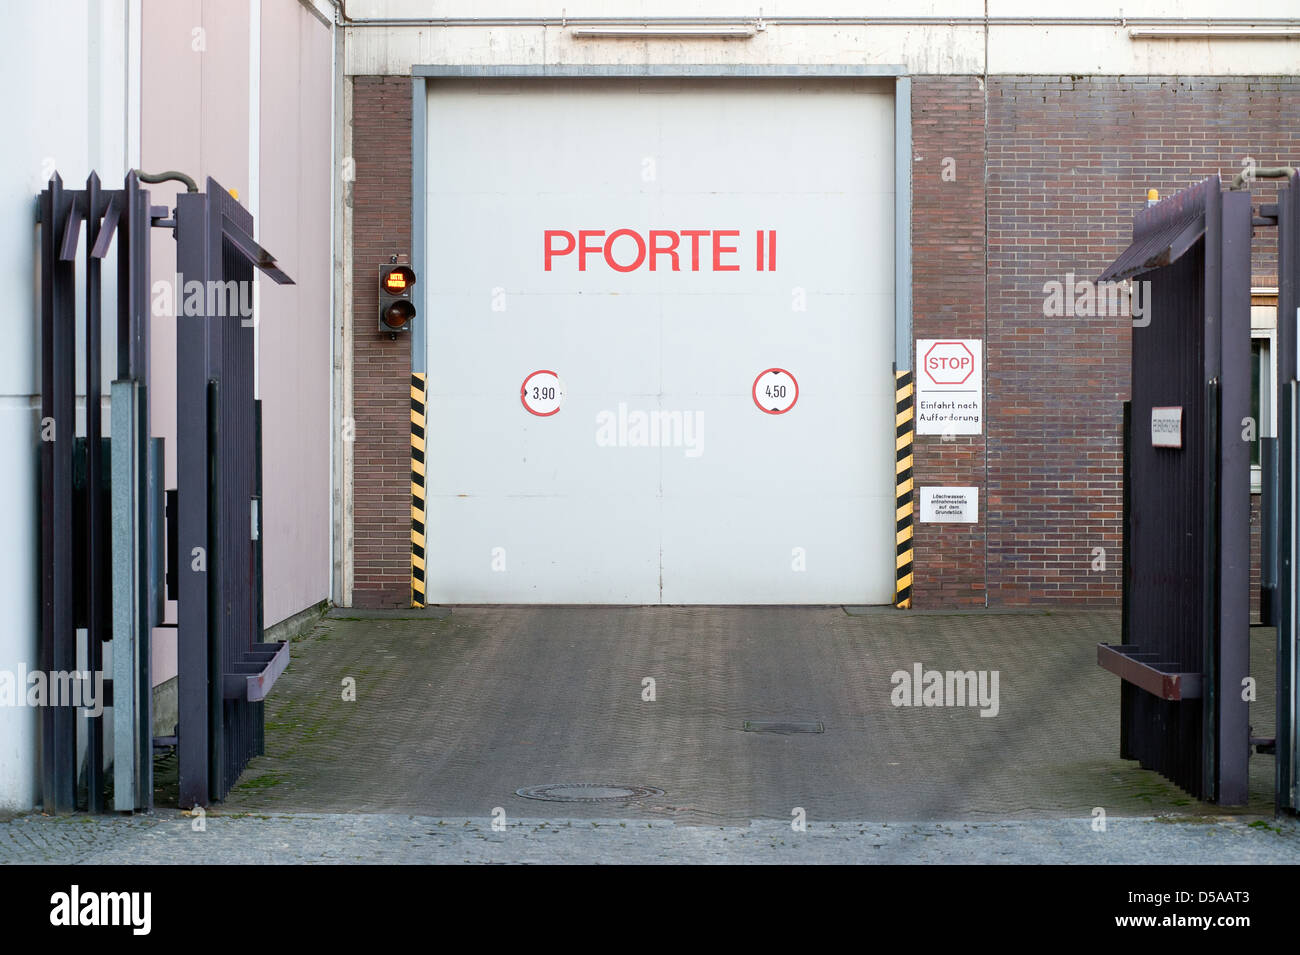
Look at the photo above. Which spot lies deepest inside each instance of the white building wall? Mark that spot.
(68, 107)
(937, 37)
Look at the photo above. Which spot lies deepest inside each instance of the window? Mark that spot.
(1263, 374)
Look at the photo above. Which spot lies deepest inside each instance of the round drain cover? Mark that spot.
(586, 792)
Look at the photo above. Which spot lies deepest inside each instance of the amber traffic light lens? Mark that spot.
(398, 280)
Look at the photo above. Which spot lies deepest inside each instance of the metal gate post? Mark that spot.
(193, 678)
(58, 436)
(1234, 506)
(1287, 746)
(129, 692)
(1285, 741)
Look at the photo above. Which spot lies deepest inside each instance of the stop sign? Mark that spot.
(948, 363)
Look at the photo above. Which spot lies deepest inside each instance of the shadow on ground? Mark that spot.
(451, 716)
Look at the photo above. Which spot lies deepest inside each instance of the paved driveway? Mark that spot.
(451, 716)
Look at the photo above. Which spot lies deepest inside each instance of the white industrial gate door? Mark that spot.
(695, 281)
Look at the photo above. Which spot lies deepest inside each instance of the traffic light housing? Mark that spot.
(396, 310)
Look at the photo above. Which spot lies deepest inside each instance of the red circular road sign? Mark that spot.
(542, 393)
(779, 390)
(948, 363)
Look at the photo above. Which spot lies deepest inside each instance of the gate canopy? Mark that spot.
(1163, 232)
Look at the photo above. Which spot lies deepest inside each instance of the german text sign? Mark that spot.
(950, 505)
(1167, 427)
(949, 386)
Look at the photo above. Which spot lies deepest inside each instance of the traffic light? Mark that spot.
(396, 310)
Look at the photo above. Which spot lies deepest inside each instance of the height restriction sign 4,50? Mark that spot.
(542, 393)
(775, 391)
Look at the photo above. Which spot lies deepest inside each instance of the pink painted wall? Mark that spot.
(195, 117)
(295, 322)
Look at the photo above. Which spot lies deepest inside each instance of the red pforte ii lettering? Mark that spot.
(668, 250)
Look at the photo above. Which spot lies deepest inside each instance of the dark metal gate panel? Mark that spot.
(1168, 520)
(95, 580)
(58, 414)
(219, 584)
(1186, 626)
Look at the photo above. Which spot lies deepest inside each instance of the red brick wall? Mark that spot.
(381, 371)
(948, 301)
(1069, 162)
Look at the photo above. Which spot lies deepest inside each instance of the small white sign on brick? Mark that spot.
(950, 505)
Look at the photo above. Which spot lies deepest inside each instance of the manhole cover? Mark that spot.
(783, 727)
(586, 792)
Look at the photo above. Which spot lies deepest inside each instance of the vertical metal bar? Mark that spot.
(1288, 704)
(138, 226)
(58, 437)
(193, 552)
(125, 608)
(1234, 501)
(1126, 750)
(259, 603)
(1210, 329)
(153, 602)
(1284, 726)
(1210, 606)
(98, 605)
(1268, 527)
(49, 218)
(1288, 280)
(216, 568)
(133, 493)
(1288, 341)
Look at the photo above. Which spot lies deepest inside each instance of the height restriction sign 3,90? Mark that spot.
(775, 391)
(542, 393)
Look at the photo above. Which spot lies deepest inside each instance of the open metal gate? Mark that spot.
(1186, 629)
(103, 531)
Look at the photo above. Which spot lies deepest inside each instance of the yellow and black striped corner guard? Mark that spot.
(904, 505)
(417, 490)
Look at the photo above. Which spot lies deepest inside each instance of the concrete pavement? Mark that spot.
(453, 715)
(167, 837)
(406, 737)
